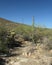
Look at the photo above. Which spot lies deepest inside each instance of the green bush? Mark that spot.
(6, 40)
(26, 37)
(3, 40)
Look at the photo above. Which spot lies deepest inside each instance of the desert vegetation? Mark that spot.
(27, 43)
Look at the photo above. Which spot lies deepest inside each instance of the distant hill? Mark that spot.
(10, 25)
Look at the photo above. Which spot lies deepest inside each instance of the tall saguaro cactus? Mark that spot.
(33, 23)
(33, 28)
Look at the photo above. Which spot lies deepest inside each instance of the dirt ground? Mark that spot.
(31, 55)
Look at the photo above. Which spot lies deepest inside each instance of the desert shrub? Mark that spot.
(10, 39)
(3, 40)
(36, 37)
(13, 40)
(7, 41)
(49, 44)
(26, 37)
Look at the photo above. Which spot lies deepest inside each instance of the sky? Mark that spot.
(22, 11)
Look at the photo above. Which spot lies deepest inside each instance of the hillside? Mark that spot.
(8, 24)
(28, 53)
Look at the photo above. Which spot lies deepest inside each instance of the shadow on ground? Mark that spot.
(2, 61)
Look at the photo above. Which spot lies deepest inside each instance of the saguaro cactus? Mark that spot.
(33, 28)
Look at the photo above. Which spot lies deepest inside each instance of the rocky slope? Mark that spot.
(31, 55)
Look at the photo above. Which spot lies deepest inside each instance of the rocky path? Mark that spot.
(31, 61)
(40, 57)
